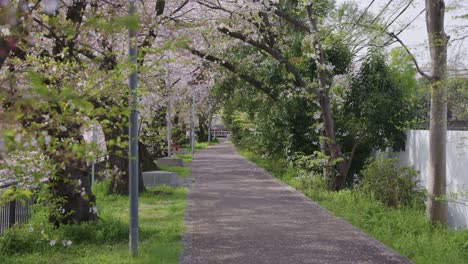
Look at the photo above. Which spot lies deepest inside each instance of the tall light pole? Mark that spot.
(211, 102)
(192, 125)
(93, 169)
(169, 128)
(168, 114)
(133, 138)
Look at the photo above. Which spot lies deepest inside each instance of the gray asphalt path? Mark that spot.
(238, 213)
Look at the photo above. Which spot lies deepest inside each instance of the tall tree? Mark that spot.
(438, 41)
(436, 208)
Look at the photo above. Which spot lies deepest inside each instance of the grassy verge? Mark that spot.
(186, 158)
(406, 230)
(202, 145)
(181, 171)
(106, 241)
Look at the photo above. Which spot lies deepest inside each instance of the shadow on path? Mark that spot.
(238, 213)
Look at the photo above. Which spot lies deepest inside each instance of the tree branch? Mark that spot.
(292, 20)
(276, 54)
(420, 71)
(232, 68)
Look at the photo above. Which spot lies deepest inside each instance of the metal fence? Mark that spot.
(220, 133)
(13, 212)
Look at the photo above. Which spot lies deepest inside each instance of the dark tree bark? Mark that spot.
(71, 185)
(73, 188)
(202, 131)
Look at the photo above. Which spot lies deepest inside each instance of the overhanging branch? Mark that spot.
(420, 71)
(276, 54)
(232, 68)
(292, 20)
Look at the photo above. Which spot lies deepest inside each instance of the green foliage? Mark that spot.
(101, 189)
(48, 111)
(14, 193)
(280, 128)
(337, 53)
(154, 134)
(378, 106)
(457, 97)
(130, 21)
(243, 121)
(392, 185)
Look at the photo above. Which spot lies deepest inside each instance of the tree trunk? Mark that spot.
(336, 178)
(202, 128)
(436, 209)
(72, 197)
(119, 167)
(118, 164)
(146, 160)
(349, 161)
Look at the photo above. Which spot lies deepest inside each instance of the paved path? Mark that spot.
(238, 213)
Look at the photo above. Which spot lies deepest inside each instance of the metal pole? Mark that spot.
(169, 129)
(133, 140)
(209, 122)
(192, 126)
(93, 172)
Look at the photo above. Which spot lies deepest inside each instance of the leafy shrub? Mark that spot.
(100, 188)
(394, 186)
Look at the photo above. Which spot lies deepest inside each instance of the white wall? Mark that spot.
(416, 154)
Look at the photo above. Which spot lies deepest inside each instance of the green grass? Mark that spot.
(106, 241)
(406, 230)
(186, 158)
(181, 171)
(201, 145)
